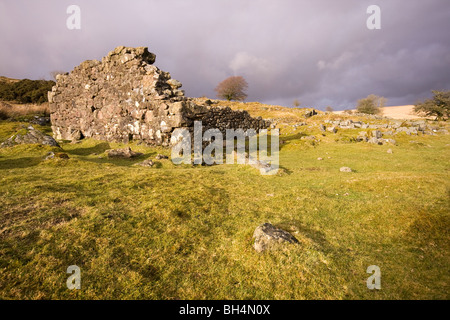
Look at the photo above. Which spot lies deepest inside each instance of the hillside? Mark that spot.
(24, 90)
(8, 80)
(395, 112)
(185, 232)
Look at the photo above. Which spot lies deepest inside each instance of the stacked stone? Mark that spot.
(409, 127)
(224, 118)
(125, 97)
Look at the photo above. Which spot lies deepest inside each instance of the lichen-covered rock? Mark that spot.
(125, 97)
(267, 236)
(29, 135)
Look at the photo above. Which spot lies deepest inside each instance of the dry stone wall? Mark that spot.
(125, 97)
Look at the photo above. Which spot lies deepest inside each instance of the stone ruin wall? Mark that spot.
(125, 97)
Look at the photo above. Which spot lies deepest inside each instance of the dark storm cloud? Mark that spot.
(319, 52)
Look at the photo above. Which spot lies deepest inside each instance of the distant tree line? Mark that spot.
(26, 91)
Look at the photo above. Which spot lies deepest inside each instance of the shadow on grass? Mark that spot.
(96, 154)
(25, 162)
(285, 170)
(296, 136)
(157, 164)
(120, 162)
(318, 237)
(99, 148)
(286, 140)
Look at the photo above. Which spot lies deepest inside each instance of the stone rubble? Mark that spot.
(394, 126)
(125, 97)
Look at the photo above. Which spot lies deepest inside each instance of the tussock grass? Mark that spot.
(185, 232)
(10, 110)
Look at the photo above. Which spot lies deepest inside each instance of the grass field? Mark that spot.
(185, 232)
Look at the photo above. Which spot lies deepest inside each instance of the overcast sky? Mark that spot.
(319, 52)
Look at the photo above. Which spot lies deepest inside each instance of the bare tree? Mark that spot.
(329, 109)
(232, 88)
(296, 103)
(438, 106)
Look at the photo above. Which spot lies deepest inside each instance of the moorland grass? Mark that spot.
(185, 232)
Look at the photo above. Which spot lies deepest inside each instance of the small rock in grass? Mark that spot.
(123, 153)
(332, 129)
(319, 158)
(57, 155)
(266, 236)
(345, 169)
(377, 134)
(390, 151)
(375, 140)
(145, 163)
(308, 138)
(161, 156)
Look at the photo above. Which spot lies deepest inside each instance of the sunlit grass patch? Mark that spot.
(185, 232)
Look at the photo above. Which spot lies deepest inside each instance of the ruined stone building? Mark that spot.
(125, 97)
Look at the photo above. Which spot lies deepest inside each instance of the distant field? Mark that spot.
(9, 80)
(185, 232)
(397, 112)
(400, 112)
